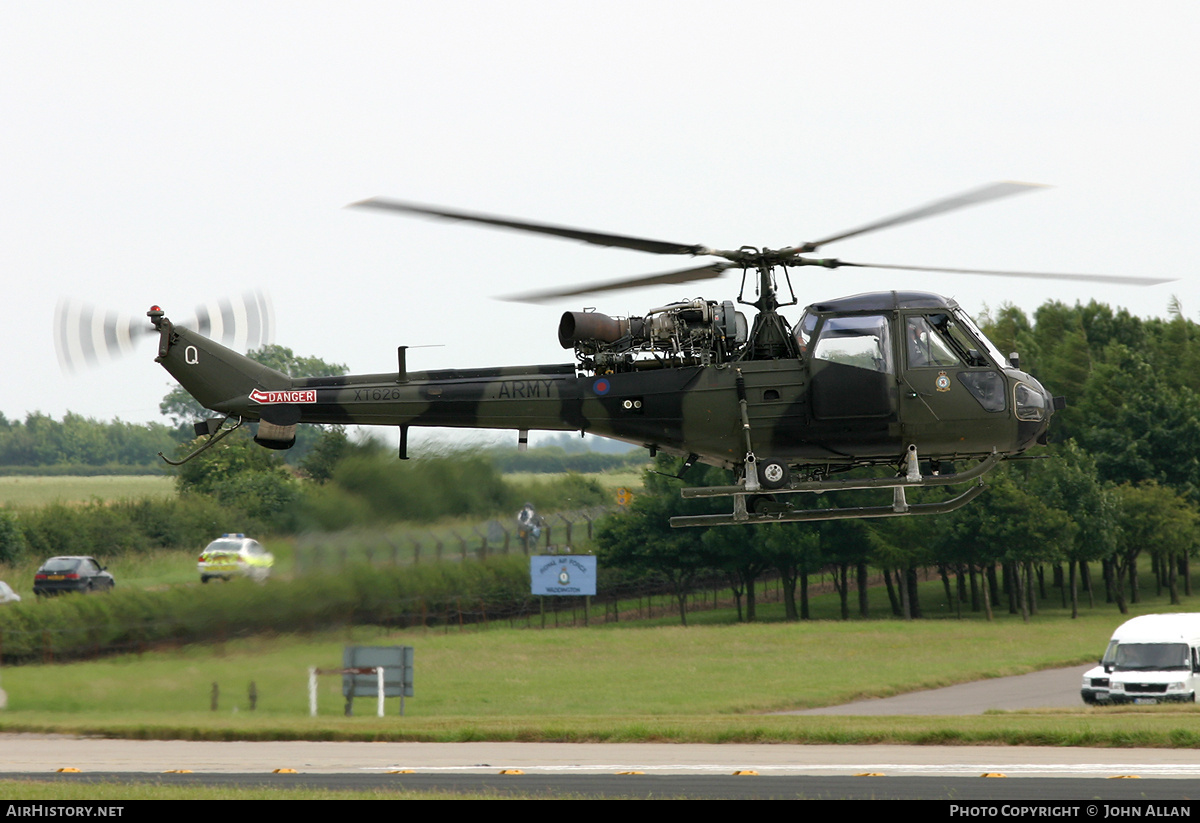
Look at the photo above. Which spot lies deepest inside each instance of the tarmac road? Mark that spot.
(1052, 688)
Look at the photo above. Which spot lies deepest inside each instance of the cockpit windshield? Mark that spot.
(997, 359)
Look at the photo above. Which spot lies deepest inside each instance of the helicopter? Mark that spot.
(903, 380)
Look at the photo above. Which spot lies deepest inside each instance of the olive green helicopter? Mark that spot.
(897, 379)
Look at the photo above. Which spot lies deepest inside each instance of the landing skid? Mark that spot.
(786, 514)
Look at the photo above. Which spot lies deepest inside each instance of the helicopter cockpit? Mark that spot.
(916, 358)
(937, 331)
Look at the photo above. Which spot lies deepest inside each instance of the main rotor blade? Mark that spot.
(1119, 279)
(593, 237)
(683, 276)
(958, 201)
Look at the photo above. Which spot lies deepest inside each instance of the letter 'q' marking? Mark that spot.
(191, 356)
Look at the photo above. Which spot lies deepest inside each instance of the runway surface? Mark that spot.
(624, 770)
(30, 753)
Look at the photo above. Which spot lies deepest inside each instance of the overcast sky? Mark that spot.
(172, 153)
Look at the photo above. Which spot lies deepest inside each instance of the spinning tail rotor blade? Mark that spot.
(242, 323)
(84, 336)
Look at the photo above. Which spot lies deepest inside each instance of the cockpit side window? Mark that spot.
(861, 341)
(944, 339)
(925, 346)
(804, 332)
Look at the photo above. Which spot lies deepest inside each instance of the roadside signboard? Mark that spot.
(563, 574)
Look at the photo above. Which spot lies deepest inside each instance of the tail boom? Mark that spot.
(643, 409)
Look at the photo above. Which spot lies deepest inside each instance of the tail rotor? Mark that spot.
(85, 336)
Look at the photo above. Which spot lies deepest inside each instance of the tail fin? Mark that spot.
(219, 378)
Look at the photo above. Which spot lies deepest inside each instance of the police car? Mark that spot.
(235, 555)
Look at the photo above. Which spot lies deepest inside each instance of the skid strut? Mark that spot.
(900, 506)
(750, 475)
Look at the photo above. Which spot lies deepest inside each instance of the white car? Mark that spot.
(235, 555)
(7, 595)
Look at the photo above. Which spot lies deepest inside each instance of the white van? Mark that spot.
(1150, 659)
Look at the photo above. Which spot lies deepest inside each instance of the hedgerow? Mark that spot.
(74, 626)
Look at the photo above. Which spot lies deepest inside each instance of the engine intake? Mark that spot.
(692, 332)
(577, 327)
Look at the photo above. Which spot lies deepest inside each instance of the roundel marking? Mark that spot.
(601, 386)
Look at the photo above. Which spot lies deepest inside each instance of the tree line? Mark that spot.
(81, 445)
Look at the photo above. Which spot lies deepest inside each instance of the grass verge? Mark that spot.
(660, 684)
(1157, 728)
(47, 790)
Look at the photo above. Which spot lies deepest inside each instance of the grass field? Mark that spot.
(21, 492)
(613, 683)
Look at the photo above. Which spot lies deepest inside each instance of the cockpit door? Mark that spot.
(951, 396)
(853, 368)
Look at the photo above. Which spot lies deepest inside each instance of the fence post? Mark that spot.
(437, 547)
(462, 543)
(312, 691)
(298, 560)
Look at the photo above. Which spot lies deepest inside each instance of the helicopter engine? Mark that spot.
(691, 333)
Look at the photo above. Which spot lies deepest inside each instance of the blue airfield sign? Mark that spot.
(563, 574)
